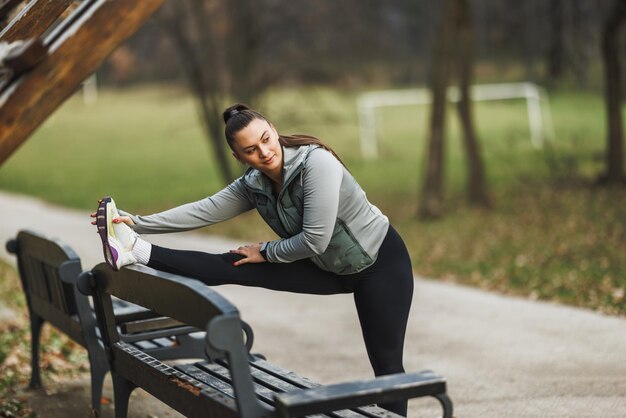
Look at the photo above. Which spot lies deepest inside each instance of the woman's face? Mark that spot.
(257, 146)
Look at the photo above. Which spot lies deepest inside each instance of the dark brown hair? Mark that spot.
(238, 116)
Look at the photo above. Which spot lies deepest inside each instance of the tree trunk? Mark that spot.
(582, 41)
(555, 51)
(531, 36)
(612, 92)
(243, 48)
(213, 87)
(432, 188)
(477, 190)
(208, 103)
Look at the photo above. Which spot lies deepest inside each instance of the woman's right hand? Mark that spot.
(125, 219)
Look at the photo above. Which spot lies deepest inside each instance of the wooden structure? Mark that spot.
(77, 37)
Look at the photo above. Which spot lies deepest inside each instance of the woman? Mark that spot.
(332, 239)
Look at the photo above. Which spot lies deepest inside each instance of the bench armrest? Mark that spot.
(335, 397)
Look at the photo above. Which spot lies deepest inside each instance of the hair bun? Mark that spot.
(233, 110)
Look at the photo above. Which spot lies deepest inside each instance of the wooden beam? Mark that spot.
(7, 6)
(76, 54)
(76, 14)
(34, 19)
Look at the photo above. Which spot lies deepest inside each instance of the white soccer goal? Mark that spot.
(90, 89)
(539, 117)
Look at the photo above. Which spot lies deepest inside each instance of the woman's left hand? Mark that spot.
(251, 253)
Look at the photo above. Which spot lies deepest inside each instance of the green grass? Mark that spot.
(550, 235)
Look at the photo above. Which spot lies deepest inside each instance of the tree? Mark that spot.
(432, 189)
(556, 48)
(188, 24)
(477, 189)
(221, 46)
(455, 29)
(612, 92)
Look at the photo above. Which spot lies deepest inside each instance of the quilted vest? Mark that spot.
(284, 214)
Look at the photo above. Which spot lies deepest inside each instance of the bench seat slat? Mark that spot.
(383, 389)
(264, 393)
(263, 390)
(286, 386)
(207, 379)
(179, 390)
(151, 324)
(305, 383)
(221, 371)
(277, 383)
(164, 341)
(144, 345)
(156, 334)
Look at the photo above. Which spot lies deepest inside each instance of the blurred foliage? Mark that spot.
(551, 234)
(60, 357)
(377, 43)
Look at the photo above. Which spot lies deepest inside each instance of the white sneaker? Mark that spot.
(117, 239)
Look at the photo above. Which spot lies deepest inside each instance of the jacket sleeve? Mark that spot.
(321, 183)
(225, 204)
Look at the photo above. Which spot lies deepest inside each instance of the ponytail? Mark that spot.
(297, 140)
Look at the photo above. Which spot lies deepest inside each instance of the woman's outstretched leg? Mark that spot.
(216, 269)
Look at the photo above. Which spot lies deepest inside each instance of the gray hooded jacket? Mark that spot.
(321, 212)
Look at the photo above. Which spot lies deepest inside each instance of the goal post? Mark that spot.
(537, 105)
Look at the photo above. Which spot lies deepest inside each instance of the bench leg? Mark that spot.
(97, 381)
(446, 404)
(122, 389)
(36, 323)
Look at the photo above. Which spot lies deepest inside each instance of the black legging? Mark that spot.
(382, 292)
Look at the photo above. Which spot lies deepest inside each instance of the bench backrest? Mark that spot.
(48, 270)
(186, 300)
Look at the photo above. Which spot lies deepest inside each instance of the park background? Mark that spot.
(550, 221)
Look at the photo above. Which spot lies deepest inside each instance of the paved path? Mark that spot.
(502, 356)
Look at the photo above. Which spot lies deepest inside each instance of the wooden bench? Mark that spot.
(49, 272)
(231, 382)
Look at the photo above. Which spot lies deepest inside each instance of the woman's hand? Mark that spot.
(126, 219)
(251, 253)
